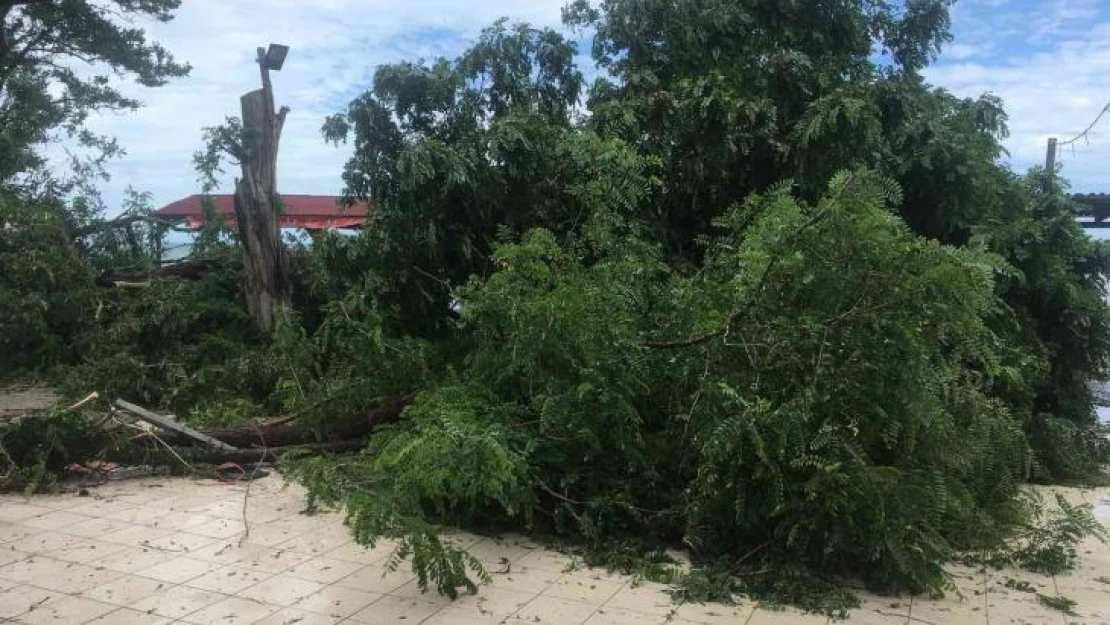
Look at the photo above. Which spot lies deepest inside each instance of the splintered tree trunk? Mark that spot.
(265, 266)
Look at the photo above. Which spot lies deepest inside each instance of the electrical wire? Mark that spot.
(1087, 130)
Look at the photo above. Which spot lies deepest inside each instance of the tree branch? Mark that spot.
(187, 270)
(124, 221)
(760, 285)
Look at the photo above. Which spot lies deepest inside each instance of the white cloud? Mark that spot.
(1063, 17)
(335, 47)
(963, 51)
(1053, 92)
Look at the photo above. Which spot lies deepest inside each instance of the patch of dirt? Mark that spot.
(17, 398)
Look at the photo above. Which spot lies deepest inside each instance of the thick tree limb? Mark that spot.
(286, 434)
(127, 220)
(192, 269)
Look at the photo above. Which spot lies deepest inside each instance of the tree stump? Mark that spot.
(267, 285)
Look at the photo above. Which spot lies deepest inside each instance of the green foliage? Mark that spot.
(450, 457)
(716, 126)
(37, 448)
(346, 366)
(853, 424)
(177, 344)
(1019, 585)
(1058, 602)
(491, 132)
(622, 327)
(46, 297)
(1058, 298)
(1047, 542)
(135, 246)
(732, 97)
(829, 423)
(1049, 546)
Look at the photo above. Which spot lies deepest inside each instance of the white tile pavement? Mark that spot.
(173, 552)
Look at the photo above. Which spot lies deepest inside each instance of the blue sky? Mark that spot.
(1048, 59)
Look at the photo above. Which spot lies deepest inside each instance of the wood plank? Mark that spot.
(170, 424)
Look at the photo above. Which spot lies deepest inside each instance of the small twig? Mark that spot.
(91, 396)
(431, 277)
(575, 502)
(151, 433)
(751, 553)
(9, 460)
(820, 354)
(1056, 586)
(247, 492)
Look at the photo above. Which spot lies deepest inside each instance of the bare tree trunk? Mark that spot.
(265, 268)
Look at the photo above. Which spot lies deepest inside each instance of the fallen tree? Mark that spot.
(36, 449)
(344, 428)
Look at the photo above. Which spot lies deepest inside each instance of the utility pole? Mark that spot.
(265, 266)
(1050, 163)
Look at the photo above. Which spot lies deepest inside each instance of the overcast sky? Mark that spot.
(1048, 59)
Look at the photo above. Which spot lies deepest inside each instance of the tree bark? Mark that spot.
(267, 285)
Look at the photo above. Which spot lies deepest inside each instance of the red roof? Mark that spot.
(312, 212)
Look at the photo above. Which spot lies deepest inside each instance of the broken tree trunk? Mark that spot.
(267, 285)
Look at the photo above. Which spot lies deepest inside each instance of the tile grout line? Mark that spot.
(610, 598)
(529, 602)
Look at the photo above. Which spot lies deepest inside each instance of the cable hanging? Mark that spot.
(1087, 130)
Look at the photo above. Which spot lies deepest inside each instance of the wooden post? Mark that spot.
(1050, 157)
(265, 267)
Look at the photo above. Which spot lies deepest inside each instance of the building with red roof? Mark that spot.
(311, 212)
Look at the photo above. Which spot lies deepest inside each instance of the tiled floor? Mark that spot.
(177, 551)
